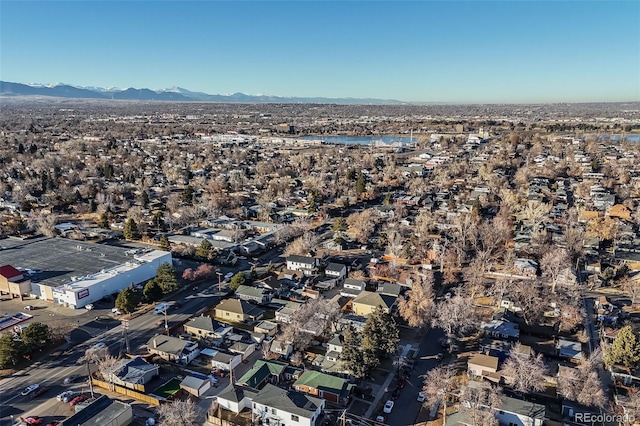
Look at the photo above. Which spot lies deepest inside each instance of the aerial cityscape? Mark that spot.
(319, 213)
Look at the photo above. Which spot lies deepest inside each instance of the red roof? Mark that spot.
(9, 271)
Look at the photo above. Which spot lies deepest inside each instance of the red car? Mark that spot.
(53, 423)
(38, 391)
(78, 399)
(33, 420)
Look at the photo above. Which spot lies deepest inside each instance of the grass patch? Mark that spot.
(168, 389)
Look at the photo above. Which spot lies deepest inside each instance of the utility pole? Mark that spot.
(219, 280)
(125, 335)
(90, 379)
(166, 322)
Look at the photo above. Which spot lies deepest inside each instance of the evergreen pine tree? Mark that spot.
(625, 349)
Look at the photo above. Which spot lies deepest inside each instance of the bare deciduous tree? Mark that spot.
(455, 315)
(439, 384)
(553, 263)
(583, 384)
(320, 312)
(524, 373)
(527, 297)
(178, 413)
(478, 402)
(363, 223)
(302, 245)
(417, 307)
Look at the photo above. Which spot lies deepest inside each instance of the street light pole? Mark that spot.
(219, 280)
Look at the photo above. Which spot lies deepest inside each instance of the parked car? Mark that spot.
(33, 420)
(89, 306)
(38, 391)
(60, 397)
(116, 311)
(28, 308)
(176, 305)
(29, 389)
(78, 399)
(388, 406)
(421, 396)
(53, 423)
(99, 345)
(67, 399)
(72, 378)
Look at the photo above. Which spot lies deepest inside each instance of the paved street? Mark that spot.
(406, 408)
(52, 371)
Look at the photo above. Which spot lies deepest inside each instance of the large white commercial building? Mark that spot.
(75, 274)
(80, 291)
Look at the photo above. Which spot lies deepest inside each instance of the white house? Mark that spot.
(222, 360)
(306, 264)
(336, 270)
(276, 406)
(352, 288)
(236, 398)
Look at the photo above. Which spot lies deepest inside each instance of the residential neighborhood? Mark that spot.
(483, 271)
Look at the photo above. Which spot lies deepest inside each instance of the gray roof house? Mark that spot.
(173, 349)
(134, 371)
(284, 407)
(501, 329)
(256, 294)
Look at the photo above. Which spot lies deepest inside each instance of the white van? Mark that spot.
(161, 308)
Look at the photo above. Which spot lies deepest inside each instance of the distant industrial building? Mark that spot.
(75, 273)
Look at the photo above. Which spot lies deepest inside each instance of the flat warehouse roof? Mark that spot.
(56, 260)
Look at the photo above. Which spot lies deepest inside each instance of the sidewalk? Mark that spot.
(381, 393)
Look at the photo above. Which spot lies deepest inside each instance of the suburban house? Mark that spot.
(286, 311)
(268, 328)
(368, 301)
(335, 347)
(202, 327)
(196, 385)
(262, 372)
(243, 349)
(331, 388)
(255, 294)
(526, 267)
(480, 365)
(236, 310)
(134, 373)
(501, 329)
(281, 348)
(512, 412)
(13, 282)
(221, 360)
(276, 406)
(570, 349)
(336, 270)
(173, 349)
(389, 289)
(236, 398)
(305, 264)
(352, 288)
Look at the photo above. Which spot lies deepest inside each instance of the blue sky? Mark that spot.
(421, 51)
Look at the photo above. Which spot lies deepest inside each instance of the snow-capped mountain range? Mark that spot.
(62, 90)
